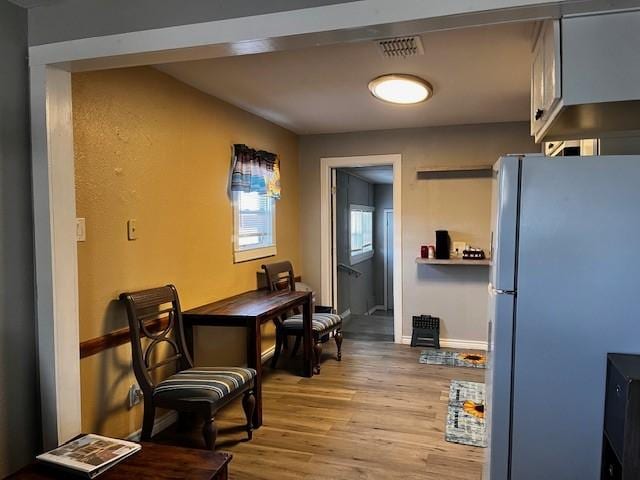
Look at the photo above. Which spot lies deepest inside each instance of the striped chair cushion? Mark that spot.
(207, 383)
(321, 322)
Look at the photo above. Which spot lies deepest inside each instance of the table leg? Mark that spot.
(254, 360)
(307, 337)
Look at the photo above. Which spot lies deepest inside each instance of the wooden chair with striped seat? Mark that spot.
(325, 321)
(202, 391)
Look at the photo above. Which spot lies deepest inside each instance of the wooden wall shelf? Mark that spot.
(453, 261)
(460, 171)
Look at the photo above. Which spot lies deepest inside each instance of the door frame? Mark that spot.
(385, 218)
(328, 265)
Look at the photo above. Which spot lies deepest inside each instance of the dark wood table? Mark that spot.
(154, 461)
(250, 310)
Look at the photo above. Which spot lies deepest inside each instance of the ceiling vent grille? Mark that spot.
(401, 47)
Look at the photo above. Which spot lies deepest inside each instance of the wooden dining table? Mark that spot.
(251, 310)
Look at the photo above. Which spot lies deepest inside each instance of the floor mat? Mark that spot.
(453, 359)
(466, 416)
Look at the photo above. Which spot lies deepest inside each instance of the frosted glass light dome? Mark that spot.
(400, 88)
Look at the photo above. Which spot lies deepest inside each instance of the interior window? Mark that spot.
(361, 231)
(254, 226)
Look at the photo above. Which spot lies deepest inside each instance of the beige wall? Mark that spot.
(153, 149)
(457, 294)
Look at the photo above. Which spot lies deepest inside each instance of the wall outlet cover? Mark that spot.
(132, 229)
(81, 230)
(135, 395)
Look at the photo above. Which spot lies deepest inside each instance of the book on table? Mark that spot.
(89, 455)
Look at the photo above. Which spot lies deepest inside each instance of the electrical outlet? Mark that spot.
(135, 395)
(132, 229)
(81, 231)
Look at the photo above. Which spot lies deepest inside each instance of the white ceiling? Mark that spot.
(381, 174)
(479, 75)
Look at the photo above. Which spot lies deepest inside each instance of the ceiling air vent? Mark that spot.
(401, 46)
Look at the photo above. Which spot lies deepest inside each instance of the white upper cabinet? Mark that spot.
(585, 76)
(545, 74)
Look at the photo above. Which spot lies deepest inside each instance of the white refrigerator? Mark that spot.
(565, 291)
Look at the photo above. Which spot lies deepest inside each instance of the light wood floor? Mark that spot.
(376, 415)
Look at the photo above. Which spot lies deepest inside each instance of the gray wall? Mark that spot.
(457, 294)
(383, 198)
(354, 293)
(19, 410)
(73, 19)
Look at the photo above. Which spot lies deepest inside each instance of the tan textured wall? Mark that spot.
(150, 148)
(457, 294)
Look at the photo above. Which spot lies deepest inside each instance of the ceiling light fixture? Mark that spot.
(401, 88)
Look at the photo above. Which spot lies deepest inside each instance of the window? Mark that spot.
(254, 226)
(361, 233)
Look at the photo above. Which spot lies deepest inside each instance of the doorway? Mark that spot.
(360, 197)
(363, 203)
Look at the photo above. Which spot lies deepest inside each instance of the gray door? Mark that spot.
(388, 258)
(343, 248)
(577, 300)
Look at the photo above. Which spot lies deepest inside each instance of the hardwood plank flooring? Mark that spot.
(378, 414)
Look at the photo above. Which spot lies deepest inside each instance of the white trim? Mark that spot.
(327, 270)
(374, 308)
(455, 343)
(54, 212)
(346, 313)
(334, 238)
(254, 254)
(386, 212)
(160, 424)
(359, 20)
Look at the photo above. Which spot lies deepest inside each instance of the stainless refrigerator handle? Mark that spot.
(499, 291)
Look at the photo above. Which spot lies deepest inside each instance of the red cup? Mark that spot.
(424, 251)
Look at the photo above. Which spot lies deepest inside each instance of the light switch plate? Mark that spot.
(132, 229)
(81, 231)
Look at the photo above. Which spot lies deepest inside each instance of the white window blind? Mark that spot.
(361, 230)
(254, 235)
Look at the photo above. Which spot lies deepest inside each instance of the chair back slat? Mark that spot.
(144, 309)
(280, 276)
(164, 362)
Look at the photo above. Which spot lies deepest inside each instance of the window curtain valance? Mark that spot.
(255, 171)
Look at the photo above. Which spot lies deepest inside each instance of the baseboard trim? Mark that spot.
(346, 313)
(455, 343)
(376, 307)
(267, 354)
(161, 423)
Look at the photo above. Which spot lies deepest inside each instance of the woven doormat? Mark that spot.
(453, 359)
(466, 417)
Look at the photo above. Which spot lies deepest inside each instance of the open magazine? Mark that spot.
(90, 455)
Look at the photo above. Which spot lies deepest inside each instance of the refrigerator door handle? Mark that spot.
(499, 291)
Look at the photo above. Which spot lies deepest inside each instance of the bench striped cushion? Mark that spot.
(321, 322)
(212, 383)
